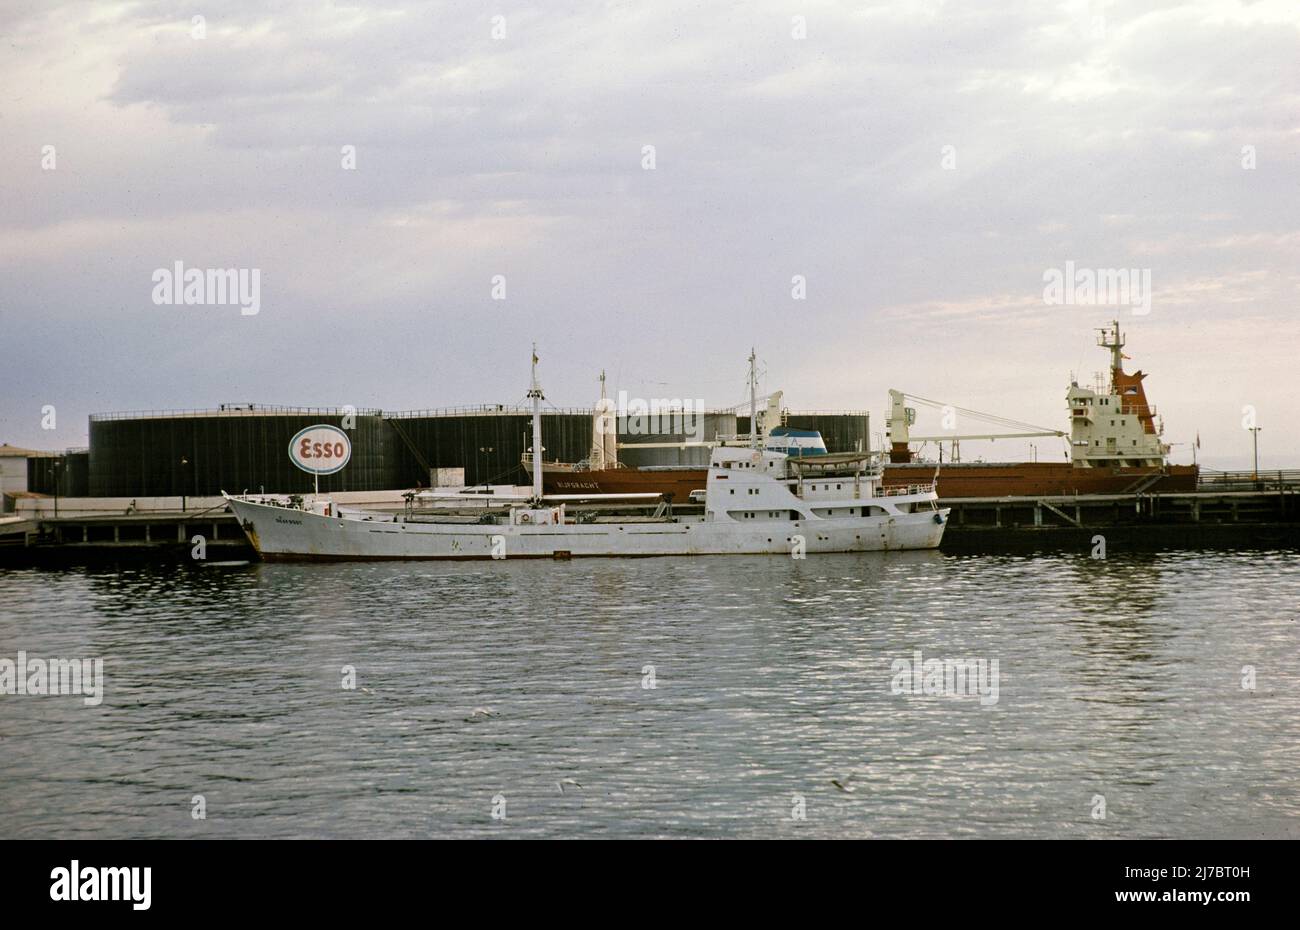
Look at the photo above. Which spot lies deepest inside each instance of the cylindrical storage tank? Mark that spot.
(45, 474)
(233, 449)
(667, 429)
(75, 480)
(488, 443)
(65, 474)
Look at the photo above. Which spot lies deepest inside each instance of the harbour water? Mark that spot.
(708, 697)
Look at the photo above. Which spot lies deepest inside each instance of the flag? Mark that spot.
(1198, 439)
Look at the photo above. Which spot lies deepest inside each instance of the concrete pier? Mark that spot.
(1196, 519)
(46, 529)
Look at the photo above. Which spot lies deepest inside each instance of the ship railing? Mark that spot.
(526, 459)
(901, 490)
(1271, 480)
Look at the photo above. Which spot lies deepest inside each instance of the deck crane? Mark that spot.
(901, 418)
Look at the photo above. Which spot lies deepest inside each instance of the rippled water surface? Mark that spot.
(526, 682)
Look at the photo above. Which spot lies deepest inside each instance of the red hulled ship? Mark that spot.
(1115, 448)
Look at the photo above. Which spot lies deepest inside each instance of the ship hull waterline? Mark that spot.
(282, 534)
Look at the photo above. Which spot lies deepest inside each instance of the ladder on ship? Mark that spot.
(1141, 485)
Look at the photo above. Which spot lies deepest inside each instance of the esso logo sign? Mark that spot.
(321, 449)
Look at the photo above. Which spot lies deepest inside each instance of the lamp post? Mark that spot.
(56, 464)
(184, 484)
(488, 450)
(1254, 432)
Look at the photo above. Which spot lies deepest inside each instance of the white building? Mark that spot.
(13, 473)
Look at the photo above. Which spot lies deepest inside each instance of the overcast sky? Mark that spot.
(922, 165)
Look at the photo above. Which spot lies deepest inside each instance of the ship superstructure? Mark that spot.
(1118, 427)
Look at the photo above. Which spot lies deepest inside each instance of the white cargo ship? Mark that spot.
(756, 501)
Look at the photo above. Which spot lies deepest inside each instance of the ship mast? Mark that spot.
(1116, 352)
(598, 430)
(753, 400)
(535, 392)
(604, 434)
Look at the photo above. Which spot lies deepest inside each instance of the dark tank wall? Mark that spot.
(207, 452)
(66, 474)
(167, 456)
(203, 454)
(489, 446)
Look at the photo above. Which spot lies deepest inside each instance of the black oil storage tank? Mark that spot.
(488, 442)
(235, 448)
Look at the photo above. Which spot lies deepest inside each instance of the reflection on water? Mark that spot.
(771, 678)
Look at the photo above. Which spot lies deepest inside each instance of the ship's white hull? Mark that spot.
(279, 533)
